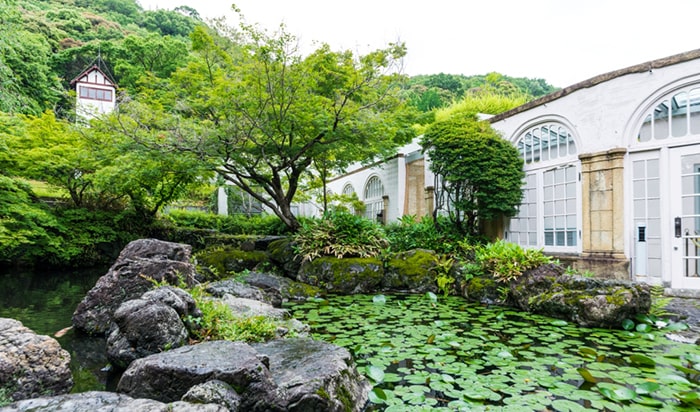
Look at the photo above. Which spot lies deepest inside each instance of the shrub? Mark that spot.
(407, 234)
(340, 234)
(234, 225)
(506, 261)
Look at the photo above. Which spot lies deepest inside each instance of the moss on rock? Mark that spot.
(413, 270)
(224, 260)
(348, 275)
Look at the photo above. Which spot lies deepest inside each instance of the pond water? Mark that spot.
(428, 353)
(44, 301)
(425, 353)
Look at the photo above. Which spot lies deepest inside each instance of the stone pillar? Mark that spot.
(385, 199)
(429, 200)
(603, 231)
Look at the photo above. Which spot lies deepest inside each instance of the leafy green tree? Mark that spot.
(261, 114)
(48, 149)
(478, 174)
(26, 228)
(169, 22)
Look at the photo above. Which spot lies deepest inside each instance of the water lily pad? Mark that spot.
(616, 392)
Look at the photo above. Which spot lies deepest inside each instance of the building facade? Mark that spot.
(612, 180)
(613, 173)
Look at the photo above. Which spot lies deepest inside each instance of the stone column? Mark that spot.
(603, 231)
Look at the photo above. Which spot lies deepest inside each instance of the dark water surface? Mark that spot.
(44, 301)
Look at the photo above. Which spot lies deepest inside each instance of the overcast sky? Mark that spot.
(561, 41)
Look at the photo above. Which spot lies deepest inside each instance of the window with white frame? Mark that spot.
(548, 216)
(676, 115)
(374, 198)
(348, 189)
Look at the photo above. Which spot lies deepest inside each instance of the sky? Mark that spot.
(561, 41)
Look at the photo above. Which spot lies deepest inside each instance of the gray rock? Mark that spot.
(214, 391)
(180, 300)
(287, 288)
(250, 307)
(141, 328)
(242, 290)
(31, 365)
(139, 263)
(168, 376)
(315, 376)
(105, 401)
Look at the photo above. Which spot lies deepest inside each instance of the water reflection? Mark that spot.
(44, 301)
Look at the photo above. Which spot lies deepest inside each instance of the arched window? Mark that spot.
(348, 189)
(548, 215)
(546, 142)
(675, 115)
(374, 198)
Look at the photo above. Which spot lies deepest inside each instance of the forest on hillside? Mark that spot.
(44, 44)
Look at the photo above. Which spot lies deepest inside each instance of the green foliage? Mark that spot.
(478, 174)
(340, 234)
(235, 225)
(506, 261)
(219, 323)
(27, 229)
(407, 234)
(443, 273)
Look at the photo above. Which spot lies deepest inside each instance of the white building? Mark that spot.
(95, 93)
(612, 174)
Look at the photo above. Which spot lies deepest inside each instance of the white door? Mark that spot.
(685, 209)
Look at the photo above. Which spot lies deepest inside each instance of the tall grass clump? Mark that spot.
(340, 234)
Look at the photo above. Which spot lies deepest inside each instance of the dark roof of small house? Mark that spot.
(99, 65)
(594, 81)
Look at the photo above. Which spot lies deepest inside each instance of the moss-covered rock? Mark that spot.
(587, 301)
(482, 289)
(347, 275)
(412, 271)
(283, 256)
(223, 260)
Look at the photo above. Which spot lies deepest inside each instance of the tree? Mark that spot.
(261, 113)
(478, 174)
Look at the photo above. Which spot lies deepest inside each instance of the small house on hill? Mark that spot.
(95, 92)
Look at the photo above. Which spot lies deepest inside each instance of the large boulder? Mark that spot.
(315, 376)
(168, 376)
(346, 276)
(31, 365)
(411, 271)
(140, 264)
(107, 401)
(590, 302)
(149, 325)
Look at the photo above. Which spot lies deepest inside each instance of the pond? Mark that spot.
(425, 353)
(44, 301)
